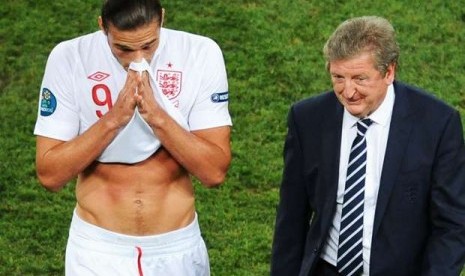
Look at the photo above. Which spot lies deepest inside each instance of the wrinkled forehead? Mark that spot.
(137, 37)
(362, 61)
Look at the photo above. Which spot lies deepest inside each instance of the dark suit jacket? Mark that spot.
(419, 225)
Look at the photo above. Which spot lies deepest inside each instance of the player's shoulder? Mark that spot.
(188, 39)
(75, 46)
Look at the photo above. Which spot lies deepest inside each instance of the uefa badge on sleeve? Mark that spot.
(220, 97)
(48, 102)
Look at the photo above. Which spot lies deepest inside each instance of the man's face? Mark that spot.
(358, 85)
(133, 45)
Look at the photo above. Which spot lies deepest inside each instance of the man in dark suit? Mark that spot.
(393, 201)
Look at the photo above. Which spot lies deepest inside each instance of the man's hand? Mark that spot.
(123, 108)
(204, 153)
(148, 106)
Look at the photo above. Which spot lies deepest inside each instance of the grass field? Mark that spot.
(273, 55)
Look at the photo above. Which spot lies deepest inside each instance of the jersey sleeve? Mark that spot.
(211, 106)
(57, 115)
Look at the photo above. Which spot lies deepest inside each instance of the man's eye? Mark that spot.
(361, 79)
(124, 49)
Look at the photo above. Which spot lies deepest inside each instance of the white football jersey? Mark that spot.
(82, 80)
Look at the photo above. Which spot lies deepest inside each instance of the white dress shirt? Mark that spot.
(376, 139)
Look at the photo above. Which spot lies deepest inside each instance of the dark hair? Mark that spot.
(366, 33)
(130, 14)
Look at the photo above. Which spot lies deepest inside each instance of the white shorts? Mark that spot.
(92, 250)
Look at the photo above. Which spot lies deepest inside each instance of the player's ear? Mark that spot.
(162, 17)
(100, 24)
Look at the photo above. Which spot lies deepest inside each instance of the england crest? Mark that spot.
(169, 83)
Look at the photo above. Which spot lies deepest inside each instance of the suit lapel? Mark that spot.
(396, 146)
(330, 129)
(330, 151)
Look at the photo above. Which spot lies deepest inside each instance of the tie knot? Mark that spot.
(362, 126)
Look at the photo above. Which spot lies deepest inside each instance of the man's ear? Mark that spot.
(162, 17)
(390, 73)
(100, 24)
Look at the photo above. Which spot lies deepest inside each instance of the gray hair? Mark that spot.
(360, 34)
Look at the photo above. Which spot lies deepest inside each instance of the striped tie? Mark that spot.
(349, 255)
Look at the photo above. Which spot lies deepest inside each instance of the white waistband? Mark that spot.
(91, 237)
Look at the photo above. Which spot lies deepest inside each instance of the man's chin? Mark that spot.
(356, 110)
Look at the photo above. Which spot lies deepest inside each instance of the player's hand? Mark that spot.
(123, 108)
(148, 106)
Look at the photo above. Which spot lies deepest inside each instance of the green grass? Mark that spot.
(273, 54)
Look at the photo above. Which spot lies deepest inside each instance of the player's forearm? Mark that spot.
(58, 163)
(206, 160)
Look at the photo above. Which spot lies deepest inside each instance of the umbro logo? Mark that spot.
(98, 76)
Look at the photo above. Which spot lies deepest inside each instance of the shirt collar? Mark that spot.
(161, 45)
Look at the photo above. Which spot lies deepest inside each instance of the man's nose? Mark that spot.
(349, 89)
(138, 56)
